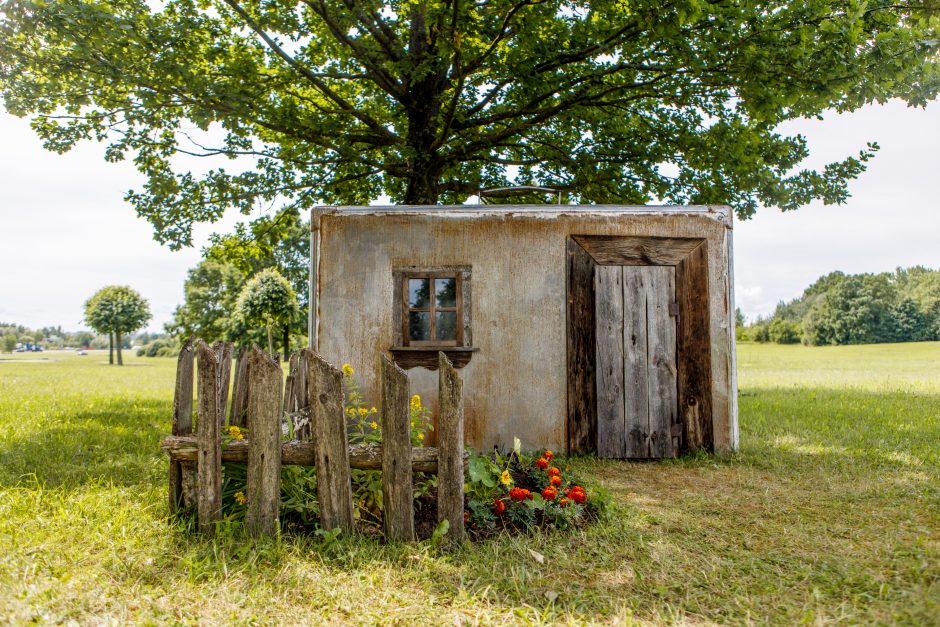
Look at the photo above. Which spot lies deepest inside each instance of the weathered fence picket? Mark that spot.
(296, 403)
(397, 489)
(328, 420)
(450, 466)
(224, 354)
(264, 444)
(238, 416)
(182, 419)
(209, 468)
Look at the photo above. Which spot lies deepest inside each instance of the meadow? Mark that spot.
(829, 513)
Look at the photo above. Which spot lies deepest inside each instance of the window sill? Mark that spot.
(426, 356)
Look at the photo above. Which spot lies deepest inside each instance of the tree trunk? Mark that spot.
(270, 343)
(286, 342)
(118, 342)
(111, 347)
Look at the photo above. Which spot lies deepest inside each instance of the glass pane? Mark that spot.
(419, 292)
(419, 326)
(445, 290)
(445, 325)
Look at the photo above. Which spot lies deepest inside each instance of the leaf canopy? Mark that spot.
(117, 309)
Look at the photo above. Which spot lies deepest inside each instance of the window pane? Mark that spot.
(419, 292)
(419, 326)
(445, 291)
(445, 325)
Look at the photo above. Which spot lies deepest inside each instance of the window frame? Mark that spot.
(432, 308)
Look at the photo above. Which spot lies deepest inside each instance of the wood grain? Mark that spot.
(661, 352)
(407, 357)
(581, 423)
(209, 467)
(613, 250)
(182, 419)
(238, 415)
(636, 285)
(450, 478)
(610, 361)
(264, 444)
(223, 351)
(397, 488)
(334, 487)
(694, 350)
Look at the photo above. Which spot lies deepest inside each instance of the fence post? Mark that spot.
(182, 418)
(331, 451)
(264, 444)
(397, 490)
(237, 417)
(450, 465)
(209, 464)
(223, 352)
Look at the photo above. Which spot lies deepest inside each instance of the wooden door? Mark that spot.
(637, 397)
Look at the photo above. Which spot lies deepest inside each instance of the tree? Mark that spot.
(784, 332)
(343, 101)
(210, 292)
(8, 342)
(266, 300)
(117, 309)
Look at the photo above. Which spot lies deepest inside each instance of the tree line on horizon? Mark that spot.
(868, 308)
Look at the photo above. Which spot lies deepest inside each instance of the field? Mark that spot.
(830, 513)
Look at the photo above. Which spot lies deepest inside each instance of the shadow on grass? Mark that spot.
(115, 442)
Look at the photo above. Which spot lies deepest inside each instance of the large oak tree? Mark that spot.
(425, 101)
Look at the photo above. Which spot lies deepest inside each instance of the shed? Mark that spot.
(606, 329)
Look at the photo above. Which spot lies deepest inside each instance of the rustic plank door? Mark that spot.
(637, 395)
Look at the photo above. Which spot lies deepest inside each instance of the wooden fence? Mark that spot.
(312, 398)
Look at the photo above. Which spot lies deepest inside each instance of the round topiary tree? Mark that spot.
(117, 309)
(266, 300)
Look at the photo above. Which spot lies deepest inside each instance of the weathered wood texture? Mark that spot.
(264, 444)
(238, 416)
(581, 424)
(224, 351)
(407, 357)
(450, 478)
(610, 361)
(694, 348)
(294, 453)
(636, 361)
(209, 484)
(182, 419)
(397, 489)
(610, 250)
(328, 418)
(295, 395)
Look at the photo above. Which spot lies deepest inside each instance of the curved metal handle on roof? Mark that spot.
(507, 191)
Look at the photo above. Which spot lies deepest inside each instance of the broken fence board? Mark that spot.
(238, 415)
(328, 418)
(264, 445)
(182, 419)
(209, 469)
(397, 489)
(450, 476)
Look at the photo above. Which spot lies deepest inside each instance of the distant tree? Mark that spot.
(910, 323)
(211, 291)
(117, 309)
(268, 300)
(82, 339)
(8, 342)
(784, 331)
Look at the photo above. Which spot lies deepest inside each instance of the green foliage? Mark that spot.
(163, 347)
(8, 342)
(266, 300)
(118, 309)
(426, 102)
(210, 293)
(784, 332)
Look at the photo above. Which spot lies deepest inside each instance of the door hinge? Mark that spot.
(673, 309)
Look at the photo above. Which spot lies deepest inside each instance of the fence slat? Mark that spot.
(450, 473)
(182, 419)
(223, 351)
(238, 417)
(397, 490)
(334, 488)
(209, 468)
(264, 444)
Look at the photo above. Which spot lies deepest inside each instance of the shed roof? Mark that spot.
(720, 213)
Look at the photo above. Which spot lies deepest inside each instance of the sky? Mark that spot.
(65, 230)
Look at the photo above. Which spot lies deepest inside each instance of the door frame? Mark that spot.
(689, 257)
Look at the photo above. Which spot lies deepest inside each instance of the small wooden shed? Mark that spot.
(606, 329)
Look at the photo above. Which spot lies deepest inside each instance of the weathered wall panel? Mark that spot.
(516, 385)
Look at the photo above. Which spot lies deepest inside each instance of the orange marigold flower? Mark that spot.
(553, 471)
(548, 455)
(517, 494)
(577, 494)
(564, 502)
(555, 481)
(542, 463)
(549, 493)
(500, 506)
(466, 517)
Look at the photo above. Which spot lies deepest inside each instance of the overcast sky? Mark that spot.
(65, 230)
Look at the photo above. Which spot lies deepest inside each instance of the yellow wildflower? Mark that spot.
(363, 411)
(236, 433)
(504, 478)
(348, 370)
(420, 437)
(374, 424)
(240, 498)
(416, 402)
(373, 410)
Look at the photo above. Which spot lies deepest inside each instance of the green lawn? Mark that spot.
(829, 514)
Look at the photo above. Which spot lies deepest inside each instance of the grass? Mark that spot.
(830, 513)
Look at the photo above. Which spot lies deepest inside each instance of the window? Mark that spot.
(433, 309)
